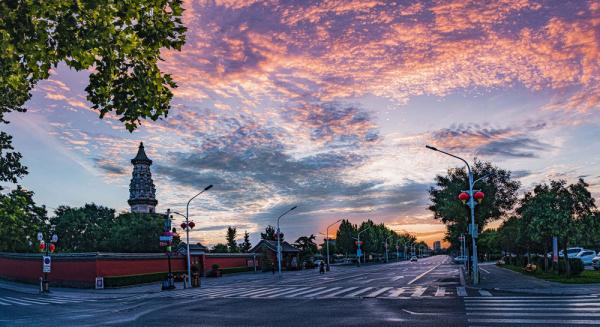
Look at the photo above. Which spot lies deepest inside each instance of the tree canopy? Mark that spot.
(119, 41)
(232, 245)
(500, 197)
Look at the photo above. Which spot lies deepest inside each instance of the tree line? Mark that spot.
(528, 222)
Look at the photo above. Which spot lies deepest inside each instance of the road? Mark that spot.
(425, 293)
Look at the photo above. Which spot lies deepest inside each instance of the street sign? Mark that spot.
(166, 238)
(99, 283)
(47, 262)
(359, 253)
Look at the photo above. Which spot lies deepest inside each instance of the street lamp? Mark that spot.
(358, 244)
(187, 231)
(49, 249)
(472, 204)
(279, 241)
(386, 248)
(327, 239)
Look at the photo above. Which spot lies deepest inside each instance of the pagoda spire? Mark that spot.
(142, 194)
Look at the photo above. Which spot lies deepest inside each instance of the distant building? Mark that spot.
(437, 246)
(142, 194)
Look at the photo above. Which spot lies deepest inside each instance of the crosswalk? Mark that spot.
(321, 292)
(40, 300)
(533, 310)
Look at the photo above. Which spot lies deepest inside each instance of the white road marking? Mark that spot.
(244, 293)
(461, 291)
(287, 291)
(484, 293)
(485, 271)
(304, 292)
(261, 293)
(378, 292)
(535, 309)
(423, 274)
(3, 303)
(364, 290)
(340, 292)
(441, 291)
(396, 278)
(537, 314)
(323, 291)
(15, 302)
(396, 292)
(419, 291)
(538, 321)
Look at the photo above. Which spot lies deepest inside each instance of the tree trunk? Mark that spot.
(545, 256)
(567, 265)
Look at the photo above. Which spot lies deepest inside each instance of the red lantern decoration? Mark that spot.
(464, 196)
(183, 226)
(479, 196)
(42, 246)
(192, 224)
(52, 247)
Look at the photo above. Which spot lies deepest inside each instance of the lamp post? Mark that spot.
(187, 232)
(358, 244)
(397, 250)
(279, 241)
(386, 248)
(327, 240)
(472, 204)
(49, 249)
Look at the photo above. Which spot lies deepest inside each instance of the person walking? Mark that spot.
(322, 267)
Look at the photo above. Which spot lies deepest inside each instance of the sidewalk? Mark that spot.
(495, 278)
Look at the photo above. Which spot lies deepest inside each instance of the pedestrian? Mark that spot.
(322, 267)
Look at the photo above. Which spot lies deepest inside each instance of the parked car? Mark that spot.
(571, 252)
(586, 256)
(413, 259)
(596, 262)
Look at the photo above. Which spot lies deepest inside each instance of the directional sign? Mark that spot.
(47, 263)
(359, 253)
(166, 238)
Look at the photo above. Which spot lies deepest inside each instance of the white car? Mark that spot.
(413, 258)
(571, 252)
(586, 256)
(596, 263)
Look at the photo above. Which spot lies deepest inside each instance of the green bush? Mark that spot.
(215, 267)
(134, 279)
(575, 263)
(234, 270)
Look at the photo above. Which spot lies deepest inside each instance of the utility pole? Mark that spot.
(472, 227)
(279, 242)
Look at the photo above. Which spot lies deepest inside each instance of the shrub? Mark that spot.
(234, 270)
(215, 266)
(133, 279)
(575, 264)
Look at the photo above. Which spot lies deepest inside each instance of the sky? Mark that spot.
(328, 105)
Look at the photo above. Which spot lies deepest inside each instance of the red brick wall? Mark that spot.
(108, 267)
(224, 262)
(82, 271)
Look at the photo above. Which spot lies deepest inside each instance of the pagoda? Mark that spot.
(142, 194)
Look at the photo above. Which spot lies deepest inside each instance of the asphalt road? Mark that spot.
(426, 293)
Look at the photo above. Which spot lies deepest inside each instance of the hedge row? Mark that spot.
(575, 263)
(135, 279)
(235, 270)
